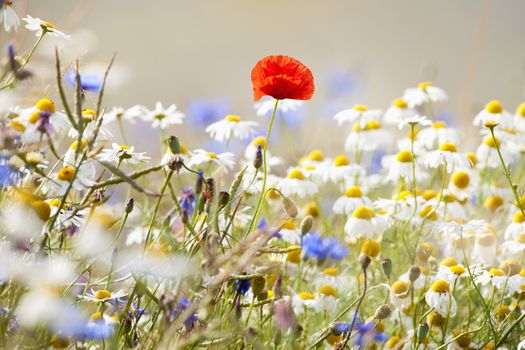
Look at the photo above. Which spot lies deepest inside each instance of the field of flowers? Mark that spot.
(401, 239)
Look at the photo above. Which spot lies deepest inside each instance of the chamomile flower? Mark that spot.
(399, 294)
(121, 114)
(401, 205)
(122, 153)
(517, 226)
(400, 166)
(365, 222)
(41, 27)
(493, 113)
(90, 121)
(99, 327)
(223, 161)
(397, 112)
(296, 184)
(415, 120)
(231, 127)
(342, 171)
(352, 199)
(251, 152)
(104, 295)
(451, 273)
(438, 134)
(265, 106)
(515, 246)
(519, 117)
(9, 16)
(290, 232)
(304, 301)
(463, 183)
(440, 298)
(163, 118)
(447, 154)
(358, 113)
(82, 178)
(495, 277)
(369, 137)
(488, 156)
(458, 228)
(41, 119)
(425, 92)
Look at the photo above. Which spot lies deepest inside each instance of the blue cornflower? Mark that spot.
(242, 286)
(8, 175)
(182, 305)
(88, 82)
(315, 246)
(367, 334)
(204, 112)
(187, 201)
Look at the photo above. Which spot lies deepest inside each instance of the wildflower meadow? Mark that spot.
(410, 234)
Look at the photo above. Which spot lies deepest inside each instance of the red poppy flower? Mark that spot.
(282, 77)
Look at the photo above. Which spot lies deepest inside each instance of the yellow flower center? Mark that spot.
(74, 145)
(49, 25)
(492, 142)
(518, 217)
(316, 156)
(296, 174)
(327, 290)
(42, 209)
(371, 248)
(400, 287)
(399, 103)
(288, 225)
(96, 316)
(331, 271)
(34, 117)
(428, 194)
(46, 105)
(521, 110)
(460, 179)
(402, 196)
(159, 116)
(295, 255)
(429, 213)
(393, 341)
(473, 158)
(55, 202)
(496, 272)
(493, 202)
(232, 118)
(457, 269)
(212, 155)
(440, 286)
(361, 108)
(259, 141)
(354, 192)
(341, 160)
(439, 125)
(123, 147)
(103, 294)
(424, 85)
(449, 262)
(448, 147)
(312, 209)
(494, 107)
(305, 296)
(66, 173)
(88, 114)
(404, 156)
(15, 124)
(372, 125)
(521, 238)
(364, 213)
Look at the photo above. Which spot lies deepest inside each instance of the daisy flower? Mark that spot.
(493, 112)
(447, 154)
(90, 126)
(82, 177)
(364, 222)
(514, 246)
(303, 301)
(122, 153)
(231, 126)
(400, 206)
(99, 327)
(516, 227)
(290, 232)
(296, 184)
(104, 295)
(41, 27)
(414, 121)
(129, 115)
(368, 137)
(440, 298)
(399, 294)
(463, 183)
(488, 156)
(71, 153)
(352, 199)
(451, 273)
(459, 228)
(163, 118)
(265, 106)
(425, 92)
(519, 117)
(9, 16)
(400, 166)
(224, 161)
(397, 112)
(495, 277)
(438, 134)
(42, 118)
(342, 170)
(358, 113)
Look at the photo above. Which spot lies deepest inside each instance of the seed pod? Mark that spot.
(184, 217)
(174, 144)
(306, 224)
(258, 161)
(365, 261)
(129, 205)
(382, 312)
(290, 207)
(386, 264)
(224, 198)
(414, 273)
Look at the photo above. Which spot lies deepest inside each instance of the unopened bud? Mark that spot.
(258, 161)
(174, 144)
(422, 331)
(290, 207)
(129, 205)
(224, 198)
(365, 261)
(414, 273)
(258, 284)
(199, 183)
(184, 217)
(306, 224)
(386, 264)
(382, 312)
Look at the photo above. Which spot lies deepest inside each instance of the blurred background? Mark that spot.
(202, 51)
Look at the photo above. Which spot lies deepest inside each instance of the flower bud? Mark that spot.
(224, 197)
(199, 183)
(290, 207)
(306, 224)
(422, 331)
(414, 273)
(129, 205)
(382, 312)
(258, 284)
(365, 261)
(258, 161)
(386, 264)
(184, 217)
(174, 144)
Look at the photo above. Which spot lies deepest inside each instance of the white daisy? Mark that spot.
(425, 92)
(90, 126)
(122, 114)
(82, 177)
(488, 156)
(250, 152)
(516, 228)
(495, 277)
(400, 167)
(122, 153)
(438, 134)
(352, 199)
(296, 184)
(519, 117)
(103, 295)
(341, 170)
(451, 273)
(265, 106)
(9, 16)
(163, 118)
(448, 155)
(231, 126)
(440, 298)
(223, 161)
(358, 113)
(463, 183)
(365, 222)
(493, 112)
(41, 27)
(398, 112)
(414, 121)
(515, 246)
(367, 138)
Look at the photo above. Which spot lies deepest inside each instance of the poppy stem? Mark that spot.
(265, 170)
